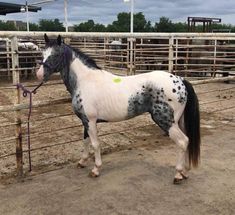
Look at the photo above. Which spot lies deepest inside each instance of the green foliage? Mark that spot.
(89, 26)
(164, 25)
(99, 28)
(23, 27)
(223, 27)
(33, 27)
(7, 26)
(85, 26)
(122, 24)
(51, 25)
(141, 24)
(180, 27)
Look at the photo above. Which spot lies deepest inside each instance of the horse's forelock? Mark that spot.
(51, 43)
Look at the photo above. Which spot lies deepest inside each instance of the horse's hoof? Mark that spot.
(184, 176)
(93, 175)
(177, 180)
(81, 166)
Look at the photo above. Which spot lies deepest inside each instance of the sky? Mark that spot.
(105, 11)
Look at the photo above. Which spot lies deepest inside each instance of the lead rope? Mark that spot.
(25, 93)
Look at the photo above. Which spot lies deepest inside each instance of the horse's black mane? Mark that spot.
(86, 59)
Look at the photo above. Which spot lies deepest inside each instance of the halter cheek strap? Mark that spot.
(62, 58)
(49, 66)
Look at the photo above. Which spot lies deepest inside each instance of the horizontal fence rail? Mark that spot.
(189, 54)
(203, 55)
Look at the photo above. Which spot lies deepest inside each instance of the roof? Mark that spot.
(6, 8)
(204, 19)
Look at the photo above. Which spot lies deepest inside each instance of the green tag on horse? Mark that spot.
(117, 80)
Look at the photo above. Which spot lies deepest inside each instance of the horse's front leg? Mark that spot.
(92, 132)
(85, 154)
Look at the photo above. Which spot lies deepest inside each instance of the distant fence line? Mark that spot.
(184, 53)
(188, 54)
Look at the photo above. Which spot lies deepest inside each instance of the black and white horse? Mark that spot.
(99, 96)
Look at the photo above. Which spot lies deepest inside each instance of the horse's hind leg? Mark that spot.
(92, 131)
(182, 127)
(177, 135)
(85, 154)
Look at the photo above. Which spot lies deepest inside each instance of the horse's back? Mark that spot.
(172, 86)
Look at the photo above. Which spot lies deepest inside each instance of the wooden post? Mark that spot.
(214, 66)
(84, 43)
(18, 130)
(187, 58)
(171, 55)
(131, 56)
(134, 56)
(106, 47)
(176, 55)
(128, 57)
(8, 60)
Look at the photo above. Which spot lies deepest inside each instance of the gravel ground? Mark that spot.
(138, 164)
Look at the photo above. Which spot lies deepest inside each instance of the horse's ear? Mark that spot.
(46, 39)
(59, 40)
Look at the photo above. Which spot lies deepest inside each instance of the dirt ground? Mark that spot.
(137, 181)
(138, 166)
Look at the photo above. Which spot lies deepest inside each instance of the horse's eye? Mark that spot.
(39, 61)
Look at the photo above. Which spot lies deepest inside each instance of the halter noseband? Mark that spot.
(52, 67)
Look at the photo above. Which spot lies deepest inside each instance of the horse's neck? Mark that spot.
(73, 73)
(65, 72)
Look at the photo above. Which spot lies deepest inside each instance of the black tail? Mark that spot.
(192, 125)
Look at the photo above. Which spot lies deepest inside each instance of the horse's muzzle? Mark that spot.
(40, 73)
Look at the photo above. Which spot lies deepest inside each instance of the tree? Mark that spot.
(34, 27)
(85, 26)
(164, 25)
(180, 27)
(89, 26)
(225, 27)
(51, 25)
(141, 24)
(7, 26)
(149, 27)
(122, 24)
(99, 28)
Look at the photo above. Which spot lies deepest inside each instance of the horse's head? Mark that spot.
(53, 57)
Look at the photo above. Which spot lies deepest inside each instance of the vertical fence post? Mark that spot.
(186, 67)
(18, 130)
(214, 63)
(131, 64)
(171, 55)
(105, 53)
(128, 57)
(8, 60)
(134, 56)
(176, 55)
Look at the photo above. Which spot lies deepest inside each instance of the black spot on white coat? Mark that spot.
(147, 101)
